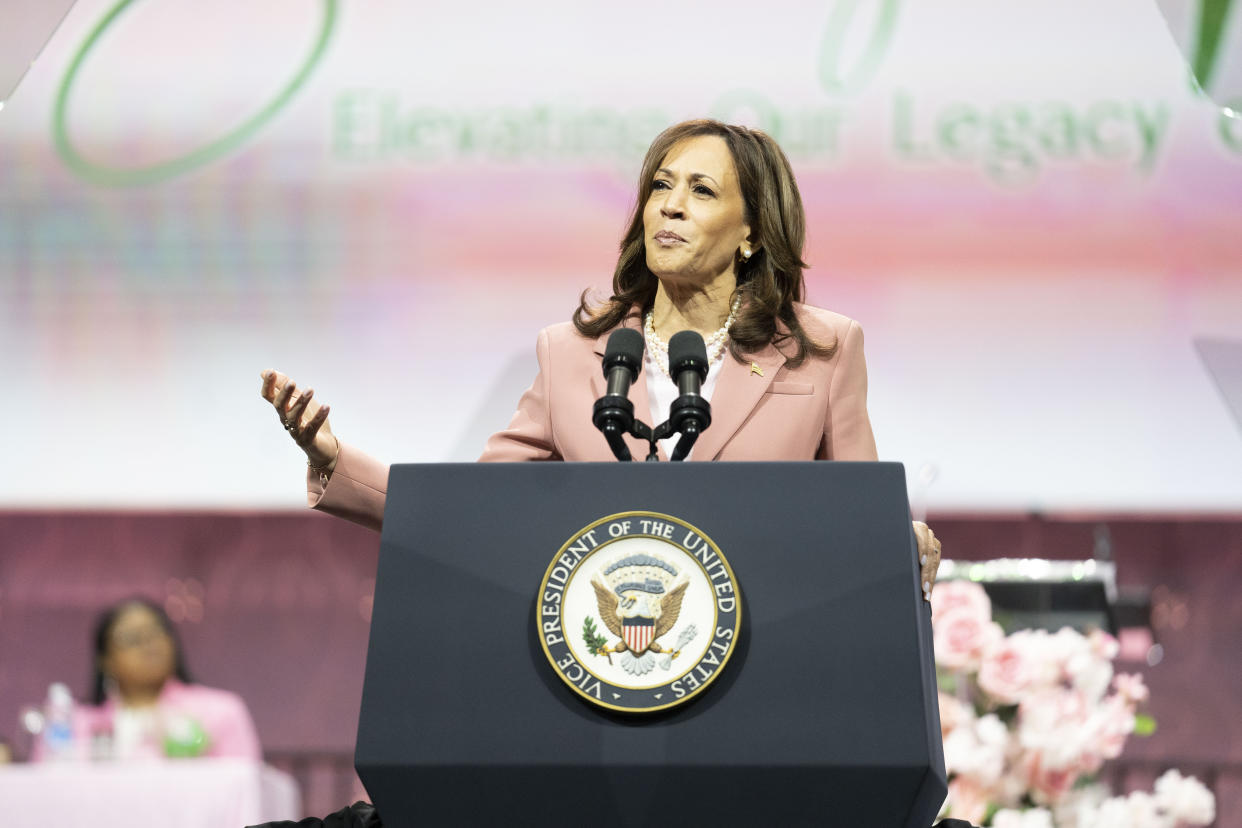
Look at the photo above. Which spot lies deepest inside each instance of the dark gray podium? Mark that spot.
(825, 715)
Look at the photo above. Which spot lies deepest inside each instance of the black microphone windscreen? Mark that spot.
(625, 347)
(686, 350)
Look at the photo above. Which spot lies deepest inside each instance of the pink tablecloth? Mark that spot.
(192, 793)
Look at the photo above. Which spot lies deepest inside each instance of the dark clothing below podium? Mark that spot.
(358, 815)
(364, 815)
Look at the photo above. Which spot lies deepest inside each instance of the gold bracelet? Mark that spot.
(325, 472)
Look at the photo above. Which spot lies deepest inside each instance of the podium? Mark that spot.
(825, 714)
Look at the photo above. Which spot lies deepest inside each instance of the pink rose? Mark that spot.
(1114, 725)
(1058, 732)
(1103, 644)
(1138, 810)
(1062, 647)
(1130, 687)
(1005, 672)
(977, 751)
(1041, 658)
(960, 635)
(1089, 673)
(953, 714)
(1048, 707)
(1047, 784)
(967, 800)
(952, 595)
(1053, 723)
(1185, 799)
(1033, 818)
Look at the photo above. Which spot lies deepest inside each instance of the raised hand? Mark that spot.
(304, 418)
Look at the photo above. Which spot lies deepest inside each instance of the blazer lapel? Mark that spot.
(739, 388)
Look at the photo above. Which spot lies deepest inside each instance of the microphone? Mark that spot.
(690, 414)
(622, 358)
(614, 412)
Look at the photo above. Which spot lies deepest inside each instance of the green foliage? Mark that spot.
(594, 641)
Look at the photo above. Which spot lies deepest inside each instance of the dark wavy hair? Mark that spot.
(103, 632)
(768, 283)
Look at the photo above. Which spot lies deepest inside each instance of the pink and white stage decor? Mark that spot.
(1028, 720)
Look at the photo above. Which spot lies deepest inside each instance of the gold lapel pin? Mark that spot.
(755, 369)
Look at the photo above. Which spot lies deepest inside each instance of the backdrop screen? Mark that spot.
(1029, 207)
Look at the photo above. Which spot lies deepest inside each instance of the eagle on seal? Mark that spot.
(638, 619)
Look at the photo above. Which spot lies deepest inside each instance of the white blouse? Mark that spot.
(663, 392)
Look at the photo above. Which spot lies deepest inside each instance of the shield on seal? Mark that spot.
(638, 630)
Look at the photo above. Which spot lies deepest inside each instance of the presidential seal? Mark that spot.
(639, 612)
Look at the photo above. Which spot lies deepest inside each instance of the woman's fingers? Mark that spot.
(929, 557)
(308, 417)
(317, 439)
(283, 390)
(272, 382)
(293, 417)
(302, 416)
(310, 428)
(934, 562)
(283, 398)
(279, 391)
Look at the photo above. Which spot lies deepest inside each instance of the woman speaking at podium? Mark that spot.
(714, 246)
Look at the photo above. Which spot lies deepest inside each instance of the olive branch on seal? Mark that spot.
(596, 643)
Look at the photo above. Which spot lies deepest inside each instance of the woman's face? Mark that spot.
(694, 220)
(139, 652)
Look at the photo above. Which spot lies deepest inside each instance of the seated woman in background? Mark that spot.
(144, 702)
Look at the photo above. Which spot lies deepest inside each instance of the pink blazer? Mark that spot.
(761, 410)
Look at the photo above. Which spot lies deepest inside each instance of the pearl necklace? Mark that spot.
(715, 343)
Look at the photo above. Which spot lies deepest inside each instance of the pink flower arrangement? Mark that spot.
(1008, 672)
(962, 625)
(1027, 718)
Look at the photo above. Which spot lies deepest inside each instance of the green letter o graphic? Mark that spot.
(230, 141)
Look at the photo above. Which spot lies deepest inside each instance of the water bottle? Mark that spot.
(58, 723)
